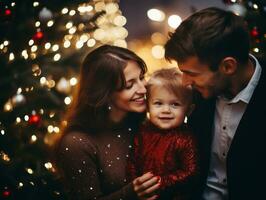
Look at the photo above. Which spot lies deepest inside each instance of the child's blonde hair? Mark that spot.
(171, 79)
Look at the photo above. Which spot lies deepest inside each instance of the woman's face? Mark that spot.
(131, 98)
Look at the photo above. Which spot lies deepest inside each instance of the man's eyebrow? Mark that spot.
(188, 72)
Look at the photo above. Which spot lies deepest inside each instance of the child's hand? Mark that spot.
(146, 185)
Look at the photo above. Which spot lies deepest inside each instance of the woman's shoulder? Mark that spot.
(77, 141)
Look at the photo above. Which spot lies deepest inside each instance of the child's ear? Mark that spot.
(190, 109)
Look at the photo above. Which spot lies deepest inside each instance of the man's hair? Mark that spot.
(211, 35)
(170, 79)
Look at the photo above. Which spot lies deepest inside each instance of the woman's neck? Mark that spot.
(117, 116)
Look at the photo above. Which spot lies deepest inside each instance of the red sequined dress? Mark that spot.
(170, 154)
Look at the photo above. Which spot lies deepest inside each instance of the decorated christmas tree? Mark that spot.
(42, 44)
(254, 12)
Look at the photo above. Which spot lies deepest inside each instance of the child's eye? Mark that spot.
(175, 104)
(157, 103)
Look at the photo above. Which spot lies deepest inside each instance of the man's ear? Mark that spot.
(228, 65)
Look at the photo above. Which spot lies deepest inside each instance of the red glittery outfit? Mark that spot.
(170, 154)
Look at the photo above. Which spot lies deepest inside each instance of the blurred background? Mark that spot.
(42, 44)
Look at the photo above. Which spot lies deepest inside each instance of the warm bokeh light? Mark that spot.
(174, 21)
(156, 15)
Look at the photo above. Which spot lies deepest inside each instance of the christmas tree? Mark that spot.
(41, 47)
(254, 12)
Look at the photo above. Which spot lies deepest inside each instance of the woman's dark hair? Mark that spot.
(101, 75)
(210, 34)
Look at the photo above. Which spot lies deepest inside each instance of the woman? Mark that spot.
(107, 110)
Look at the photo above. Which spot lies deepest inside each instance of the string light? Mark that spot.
(57, 57)
(29, 170)
(47, 45)
(67, 100)
(6, 43)
(156, 15)
(33, 138)
(4, 156)
(174, 21)
(37, 24)
(50, 23)
(73, 81)
(72, 12)
(2, 132)
(69, 25)
(67, 44)
(255, 6)
(35, 4)
(91, 42)
(55, 47)
(11, 56)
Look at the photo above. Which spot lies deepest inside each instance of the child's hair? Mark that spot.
(171, 79)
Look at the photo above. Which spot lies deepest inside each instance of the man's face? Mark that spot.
(208, 83)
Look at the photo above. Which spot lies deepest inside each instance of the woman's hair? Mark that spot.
(101, 75)
(170, 79)
(210, 34)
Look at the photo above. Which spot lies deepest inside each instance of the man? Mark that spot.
(211, 48)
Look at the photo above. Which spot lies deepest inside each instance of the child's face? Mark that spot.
(165, 109)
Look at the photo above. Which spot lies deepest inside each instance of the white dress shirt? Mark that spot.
(228, 114)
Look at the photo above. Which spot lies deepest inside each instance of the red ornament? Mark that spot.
(6, 193)
(254, 32)
(34, 119)
(7, 12)
(38, 37)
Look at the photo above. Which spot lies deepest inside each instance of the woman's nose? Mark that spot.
(141, 87)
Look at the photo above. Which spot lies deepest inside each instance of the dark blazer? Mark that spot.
(246, 159)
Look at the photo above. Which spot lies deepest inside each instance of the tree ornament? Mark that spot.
(63, 86)
(6, 193)
(34, 119)
(8, 12)
(18, 99)
(254, 32)
(38, 37)
(6, 15)
(45, 15)
(237, 9)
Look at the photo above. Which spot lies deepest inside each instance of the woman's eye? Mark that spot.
(129, 86)
(141, 77)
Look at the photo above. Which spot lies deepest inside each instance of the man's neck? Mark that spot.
(242, 78)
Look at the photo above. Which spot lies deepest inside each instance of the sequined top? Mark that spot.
(169, 154)
(94, 164)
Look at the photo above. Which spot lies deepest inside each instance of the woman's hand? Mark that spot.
(146, 185)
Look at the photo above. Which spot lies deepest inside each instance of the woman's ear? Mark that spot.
(228, 65)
